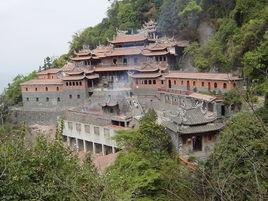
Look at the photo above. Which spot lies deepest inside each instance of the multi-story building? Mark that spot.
(136, 63)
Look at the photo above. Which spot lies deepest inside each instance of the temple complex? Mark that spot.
(111, 87)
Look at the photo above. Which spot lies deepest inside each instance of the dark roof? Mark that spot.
(43, 82)
(202, 128)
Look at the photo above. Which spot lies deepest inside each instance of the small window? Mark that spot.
(181, 82)
(224, 85)
(162, 81)
(58, 99)
(73, 83)
(78, 127)
(114, 61)
(87, 129)
(203, 84)
(193, 83)
(76, 83)
(26, 89)
(78, 96)
(106, 132)
(58, 89)
(156, 58)
(80, 83)
(215, 85)
(145, 81)
(154, 81)
(96, 130)
(137, 82)
(70, 83)
(174, 82)
(47, 99)
(160, 58)
(234, 84)
(70, 125)
(150, 81)
(70, 96)
(125, 61)
(209, 138)
(35, 89)
(52, 77)
(27, 99)
(37, 99)
(46, 89)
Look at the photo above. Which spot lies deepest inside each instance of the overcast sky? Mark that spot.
(30, 30)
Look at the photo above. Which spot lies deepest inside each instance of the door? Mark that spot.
(197, 143)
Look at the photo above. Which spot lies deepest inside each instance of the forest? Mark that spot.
(147, 168)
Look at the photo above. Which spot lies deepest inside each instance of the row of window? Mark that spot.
(96, 129)
(160, 58)
(224, 85)
(58, 99)
(146, 82)
(74, 83)
(46, 89)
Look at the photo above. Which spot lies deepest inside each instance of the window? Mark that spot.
(193, 83)
(135, 60)
(160, 58)
(52, 77)
(70, 125)
(27, 99)
(174, 82)
(137, 82)
(164, 58)
(145, 81)
(58, 89)
(156, 58)
(47, 99)
(80, 83)
(73, 83)
(96, 130)
(35, 89)
(125, 61)
(37, 99)
(234, 84)
(46, 89)
(26, 89)
(70, 96)
(114, 61)
(106, 132)
(224, 85)
(203, 84)
(162, 81)
(78, 127)
(78, 96)
(87, 129)
(154, 81)
(58, 99)
(150, 81)
(181, 82)
(76, 83)
(215, 85)
(70, 83)
(209, 138)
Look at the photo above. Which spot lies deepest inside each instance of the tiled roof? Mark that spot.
(75, 72)
(124, 51)
(202, 76)
(148, 67)
(129, 38)
(202, 128)
(195, 116)
(91, 77)
(71, 78)
(49, 71)
(146, 75)
(81, 58)
(154, 53)
(202, 97)
(114, 68)
(68, 67)
(43, 82)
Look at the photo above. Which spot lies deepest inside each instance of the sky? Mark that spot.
(31, 30)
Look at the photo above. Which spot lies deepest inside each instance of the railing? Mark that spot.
(175, 91)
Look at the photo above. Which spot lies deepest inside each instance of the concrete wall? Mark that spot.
(35, 117)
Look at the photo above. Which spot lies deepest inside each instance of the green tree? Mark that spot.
(238, 167)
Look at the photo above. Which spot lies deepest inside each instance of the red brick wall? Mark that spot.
(42, 88)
